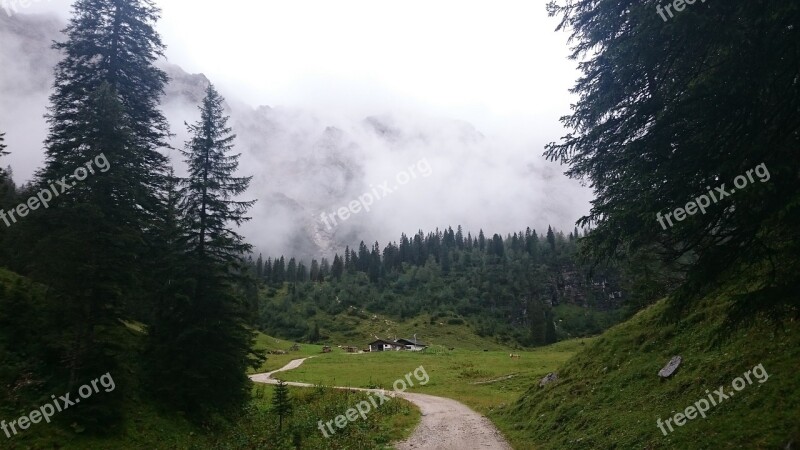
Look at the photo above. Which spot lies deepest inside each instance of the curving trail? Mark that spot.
(446, 424)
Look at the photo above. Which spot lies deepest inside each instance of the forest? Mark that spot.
(509, 289)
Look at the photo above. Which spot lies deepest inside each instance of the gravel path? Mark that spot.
(446, 424)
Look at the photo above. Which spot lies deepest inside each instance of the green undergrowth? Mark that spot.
(610, 396)
(146, 428)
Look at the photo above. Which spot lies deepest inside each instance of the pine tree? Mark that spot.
(104, 109)
(268, 268)
(363, 257)
(291, 271)
(374, 261)
(165, 354)
(302, 272)
(281, 402)
(315, 270)
(460, 238)
(337, 269)
(279, 270)
(551, 238)
(216, 342)
(641, 159)
(260, 267)
(324, 268)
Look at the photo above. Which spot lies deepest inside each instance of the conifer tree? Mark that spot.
(302, 272)
(632, 137)
(324, 268)
(291, 271)
(165, 353)
(315, 275)
(281, 402)
(551, 238)
(216, 342)
(337, 269)
(89, 246)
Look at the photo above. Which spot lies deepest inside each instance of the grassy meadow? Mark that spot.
(480, 380)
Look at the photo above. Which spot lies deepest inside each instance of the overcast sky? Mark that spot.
(496, 64)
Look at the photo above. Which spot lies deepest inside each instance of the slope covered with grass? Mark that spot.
(610, 395)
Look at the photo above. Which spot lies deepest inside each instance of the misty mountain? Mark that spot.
(306, 163)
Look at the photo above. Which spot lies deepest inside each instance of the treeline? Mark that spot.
(505, 288)
(140, 272)
(415, 251)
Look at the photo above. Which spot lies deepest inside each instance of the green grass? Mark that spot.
(610, 396)
(266, 343)
(451, 374)
(147, 428)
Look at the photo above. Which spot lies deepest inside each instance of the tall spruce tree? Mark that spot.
(551, 238)
(165, 356)
(88, 245)
(214, 337)
(667, 113)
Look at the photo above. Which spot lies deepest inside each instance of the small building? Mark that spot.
(382, 345)
(412, 345)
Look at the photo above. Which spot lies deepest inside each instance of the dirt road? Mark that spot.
(446, 424)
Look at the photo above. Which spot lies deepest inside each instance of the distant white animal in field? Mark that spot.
(513, 356)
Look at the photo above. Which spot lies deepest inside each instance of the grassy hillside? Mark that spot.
(269, 344)
(610, 396)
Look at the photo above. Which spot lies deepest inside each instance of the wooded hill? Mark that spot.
(527, 289)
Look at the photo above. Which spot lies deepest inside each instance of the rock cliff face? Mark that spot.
(600, 292)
